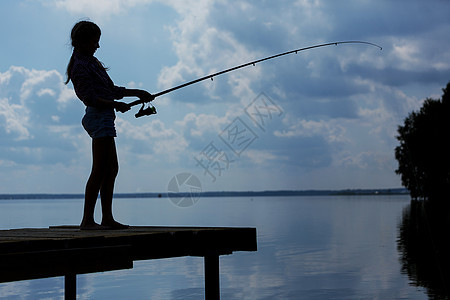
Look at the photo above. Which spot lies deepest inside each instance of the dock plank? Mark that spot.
(65, 246)
(31, 253)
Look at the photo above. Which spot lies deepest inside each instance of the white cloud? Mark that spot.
(407, 52)
(33, 102)
(66, 95)
(14, 120)
(200, 124)
(204, 49)
(152, 135)
(334, 131)
(366, 160)
(46, 91)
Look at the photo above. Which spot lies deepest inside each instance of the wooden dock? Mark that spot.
(32, 253)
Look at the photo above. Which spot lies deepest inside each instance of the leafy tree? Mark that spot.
(424, 152)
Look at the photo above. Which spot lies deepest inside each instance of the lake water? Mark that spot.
(319, 247)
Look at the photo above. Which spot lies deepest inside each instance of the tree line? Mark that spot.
(423, 154)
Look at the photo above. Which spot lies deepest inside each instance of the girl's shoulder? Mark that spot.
(86, 63)
(83, 60)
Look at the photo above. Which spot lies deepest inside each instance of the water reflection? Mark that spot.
(424, 247)
(308, 248)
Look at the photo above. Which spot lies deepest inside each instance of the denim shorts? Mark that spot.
(99, 122)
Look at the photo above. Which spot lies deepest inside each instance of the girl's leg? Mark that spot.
(99, 164)
(107, 188)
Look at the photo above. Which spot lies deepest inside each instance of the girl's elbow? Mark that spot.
(89, 102)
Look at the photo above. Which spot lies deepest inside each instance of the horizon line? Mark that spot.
(307, 192)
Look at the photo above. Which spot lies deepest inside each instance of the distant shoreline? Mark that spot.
(345, 192)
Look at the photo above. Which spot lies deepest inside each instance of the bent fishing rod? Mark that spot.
(150, 110)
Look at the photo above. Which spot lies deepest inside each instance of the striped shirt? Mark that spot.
(91, 81)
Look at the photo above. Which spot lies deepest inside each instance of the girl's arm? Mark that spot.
(141, 94)
(122, 106)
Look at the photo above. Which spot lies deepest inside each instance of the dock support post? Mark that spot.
(212, 283)
(70, 286)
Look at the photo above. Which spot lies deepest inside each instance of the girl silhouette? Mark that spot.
(97, 91)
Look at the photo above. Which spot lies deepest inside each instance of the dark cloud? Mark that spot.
(396, 77)
(253, 25)
(385, 18)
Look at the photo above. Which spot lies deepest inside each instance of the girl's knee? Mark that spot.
(114, 171)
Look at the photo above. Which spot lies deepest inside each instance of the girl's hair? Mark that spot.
(82, 32)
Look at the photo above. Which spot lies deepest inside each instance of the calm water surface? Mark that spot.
(308, 248)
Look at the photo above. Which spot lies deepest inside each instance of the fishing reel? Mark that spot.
(150, 110)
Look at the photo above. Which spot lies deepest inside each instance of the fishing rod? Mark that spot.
(150, 110)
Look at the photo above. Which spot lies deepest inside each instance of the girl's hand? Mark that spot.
(145, 96)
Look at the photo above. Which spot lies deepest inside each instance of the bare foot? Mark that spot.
(114, 225)
(91, 226)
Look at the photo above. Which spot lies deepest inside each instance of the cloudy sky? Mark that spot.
(319, 119)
